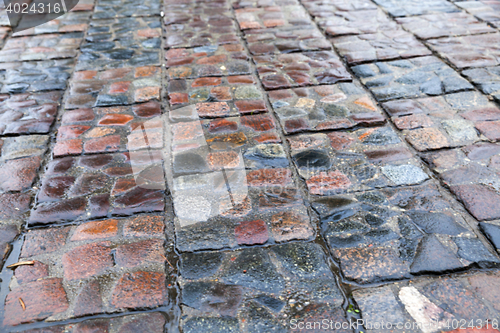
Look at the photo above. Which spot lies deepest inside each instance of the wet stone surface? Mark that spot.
(216, 96)
(105, 9)
(300, 69)
(87, 187)
(445, 121)
(121, 42)
(339, 106)
(202, 30)
(487, 79)
(444, 25)
(348, 161)
(418, 77)
(236, 173)
(20, 77)
(250, 142)
(121, 86)
(151, 322)
(213, 166)
(71, 22)
(286, 40)
(96, 267)
(42, 47)
(397, 233)
(485, 10)
(20, 160)
(459, 297)
(180, 12)
(469, 51)
(263, 3)
(271, 17)
(28, 113)
(109, 129)
(210, 60)
(356, 22)
(416, 7)
(320, 8)
(471, 174)
(384, 45)
(259, 289)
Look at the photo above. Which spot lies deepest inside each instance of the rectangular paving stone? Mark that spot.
(398, 233)
(416, 7)
(218, 96)
(88, 187)
(444, 122)
(343, 105)
(42, 47)
(254, 291)
(384, 45)
(322, 8)
(121, 42)
(151, 322)
(210, 60)
(469, 51)
(286, 40)
(300, 69)
(202, 30)
(452, 299)
(272, 16)
(105, 9)
(488, 11)
(108, 129)
(20, 77)
(121, 86)
(350, 161)
(74, 21)
(97, 267)
(410, 78)
(471, 174)
(28, 113)
(487, 79)
(356, 22)
(231, 183)
(20, 159)
(444, 25)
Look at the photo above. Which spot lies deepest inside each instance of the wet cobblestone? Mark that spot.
(251, 166)
(20, 77)
(121, 42)
(339, 106)
(96, 267)
(418, 77)
(122, 86)
(43, 47)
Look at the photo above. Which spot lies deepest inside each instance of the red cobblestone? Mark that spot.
(86, 260)
(41, 298)
(139, 289)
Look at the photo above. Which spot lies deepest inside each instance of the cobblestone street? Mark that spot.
(252, 166)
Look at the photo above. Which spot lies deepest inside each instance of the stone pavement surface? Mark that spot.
(252, 166)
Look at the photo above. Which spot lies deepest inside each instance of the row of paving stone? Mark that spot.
(223, 136)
